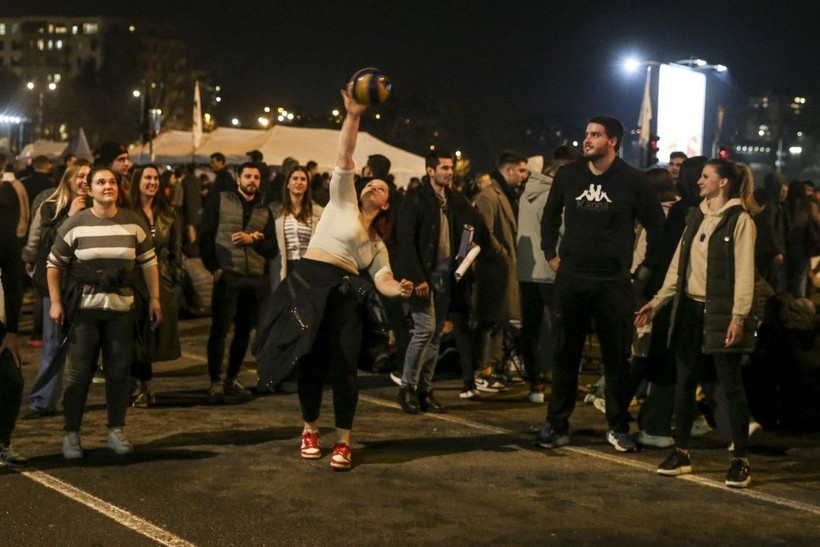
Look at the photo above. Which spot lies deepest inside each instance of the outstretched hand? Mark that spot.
(644, 316)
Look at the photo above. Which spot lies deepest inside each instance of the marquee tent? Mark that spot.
(277, 143)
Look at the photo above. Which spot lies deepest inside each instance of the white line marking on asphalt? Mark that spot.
(118, 515)
(619, 460)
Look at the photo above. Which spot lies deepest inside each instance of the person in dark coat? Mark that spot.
(496, 298)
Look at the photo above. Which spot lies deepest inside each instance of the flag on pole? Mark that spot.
(645, 117)
(197, 127)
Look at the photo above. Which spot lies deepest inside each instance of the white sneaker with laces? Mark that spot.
(118, 443)
(72, 449)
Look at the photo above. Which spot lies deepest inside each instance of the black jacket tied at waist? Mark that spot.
(294, 314)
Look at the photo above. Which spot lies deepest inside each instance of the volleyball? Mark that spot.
(369, 86)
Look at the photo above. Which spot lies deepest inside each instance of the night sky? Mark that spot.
(499, 64)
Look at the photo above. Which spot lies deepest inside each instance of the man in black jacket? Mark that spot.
(426, 246)
(224, 181)
(236, 239)
(598, 199)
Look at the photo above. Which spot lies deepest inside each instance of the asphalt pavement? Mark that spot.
(231, 475)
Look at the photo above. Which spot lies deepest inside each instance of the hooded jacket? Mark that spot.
(532, 265)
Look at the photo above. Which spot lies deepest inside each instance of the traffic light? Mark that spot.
(652, 151)
(723, 153)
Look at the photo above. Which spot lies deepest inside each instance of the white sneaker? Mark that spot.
(72, 450)
(589, 398)
(536, 397)
(395, 378)
(600, 404)
(471, 394)
(118, 443)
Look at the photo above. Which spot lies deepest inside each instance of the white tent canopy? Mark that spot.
(277, 143)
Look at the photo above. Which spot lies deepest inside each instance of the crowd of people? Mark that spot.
(522, 264)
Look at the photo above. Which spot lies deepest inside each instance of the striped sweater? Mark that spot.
(119, 243)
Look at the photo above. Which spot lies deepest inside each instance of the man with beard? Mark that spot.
(426, 246)
(599, 199)
(236, 239)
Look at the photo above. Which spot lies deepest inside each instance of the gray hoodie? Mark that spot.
(532, 264)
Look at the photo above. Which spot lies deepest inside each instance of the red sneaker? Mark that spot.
(310, 445)
(340, 460)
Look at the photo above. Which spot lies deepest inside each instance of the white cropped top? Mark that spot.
(340, 233)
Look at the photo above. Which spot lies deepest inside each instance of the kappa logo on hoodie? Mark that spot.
(593, 199)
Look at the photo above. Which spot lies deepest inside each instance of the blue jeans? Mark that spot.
(45, 398)
(422, 351)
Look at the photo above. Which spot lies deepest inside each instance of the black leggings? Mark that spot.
(335, 353)
(11, 394)
(691, 363)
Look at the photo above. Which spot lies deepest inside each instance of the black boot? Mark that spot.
(409, 401)
(428, 403)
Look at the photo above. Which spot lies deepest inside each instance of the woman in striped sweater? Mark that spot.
(95, 257)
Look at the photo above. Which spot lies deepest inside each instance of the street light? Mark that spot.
(32, 86)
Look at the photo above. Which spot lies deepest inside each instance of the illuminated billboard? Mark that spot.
(681, 105)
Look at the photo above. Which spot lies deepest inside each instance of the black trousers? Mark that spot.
(234, 303)
(335, 354)
(691, 364)
(537, 339)
(11, 395)
(611, 305)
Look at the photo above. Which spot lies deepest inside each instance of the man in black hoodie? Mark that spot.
(598, 199)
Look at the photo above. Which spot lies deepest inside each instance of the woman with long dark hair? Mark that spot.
(711, 281)
(317, 310)
(148, 199)
(297, 219)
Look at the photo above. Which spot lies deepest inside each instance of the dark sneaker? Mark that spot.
(740, 474)
(10, 458)
(34, 413)
(233, 388)
(216, 393)
(621, 441)
(548, 438)
(677, 463)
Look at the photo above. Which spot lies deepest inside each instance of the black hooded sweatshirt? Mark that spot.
(599, 213)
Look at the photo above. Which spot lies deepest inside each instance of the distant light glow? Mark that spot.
(136, 93)
(795, 150)
(52, 86)
(721, 68)
(263, 121)
(632, 64)
(235, 122)
(334, 112)
(30, 85)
